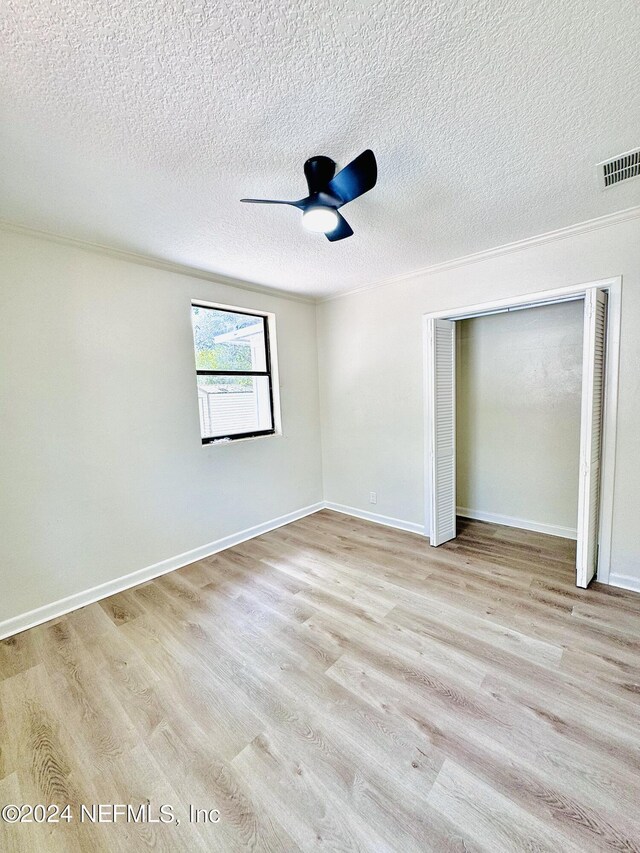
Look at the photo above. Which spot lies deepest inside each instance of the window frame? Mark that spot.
(268, 372)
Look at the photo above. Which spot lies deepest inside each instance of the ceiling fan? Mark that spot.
(328, 192)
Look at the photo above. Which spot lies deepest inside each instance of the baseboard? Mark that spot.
(59, 608)
(508, 521)
(625, 582)
(386, 520)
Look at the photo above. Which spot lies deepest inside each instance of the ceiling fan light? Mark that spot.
(320, 219)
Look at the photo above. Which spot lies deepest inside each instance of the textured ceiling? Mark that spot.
(140, 125)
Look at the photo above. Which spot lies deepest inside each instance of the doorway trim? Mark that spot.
(613, 286)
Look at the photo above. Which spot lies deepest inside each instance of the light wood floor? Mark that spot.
(336, 685)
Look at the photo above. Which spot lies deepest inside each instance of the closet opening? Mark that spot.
(520, 405)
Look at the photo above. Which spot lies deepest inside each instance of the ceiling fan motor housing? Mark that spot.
(318, 171)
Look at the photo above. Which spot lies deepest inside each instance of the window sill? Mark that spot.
(231, 441)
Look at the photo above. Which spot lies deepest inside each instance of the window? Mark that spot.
(233, 367)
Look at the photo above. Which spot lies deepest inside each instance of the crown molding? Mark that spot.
(153, 261)
(506, 249)
(585, 227)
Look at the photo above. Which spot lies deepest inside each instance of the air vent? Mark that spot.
(621, 168)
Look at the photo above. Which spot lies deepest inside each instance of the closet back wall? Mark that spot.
(519, 378)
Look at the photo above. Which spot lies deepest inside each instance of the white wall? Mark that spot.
(519, 384)
(102, 472)
(101, 464)
(371, 382)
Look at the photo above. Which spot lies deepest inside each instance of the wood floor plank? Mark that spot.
(507, 661)
(491, 819)
(338, 685)
(495, 743)
(482, 630)
(290, 789)
(10, 833)
(121, 608)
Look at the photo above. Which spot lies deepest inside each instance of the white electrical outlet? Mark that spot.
(373, 497)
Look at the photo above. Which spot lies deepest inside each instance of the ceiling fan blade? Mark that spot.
(271, 201)
(342, 230)
(357, 178)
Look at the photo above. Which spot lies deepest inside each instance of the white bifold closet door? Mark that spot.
(592, 419)
(441, 413)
